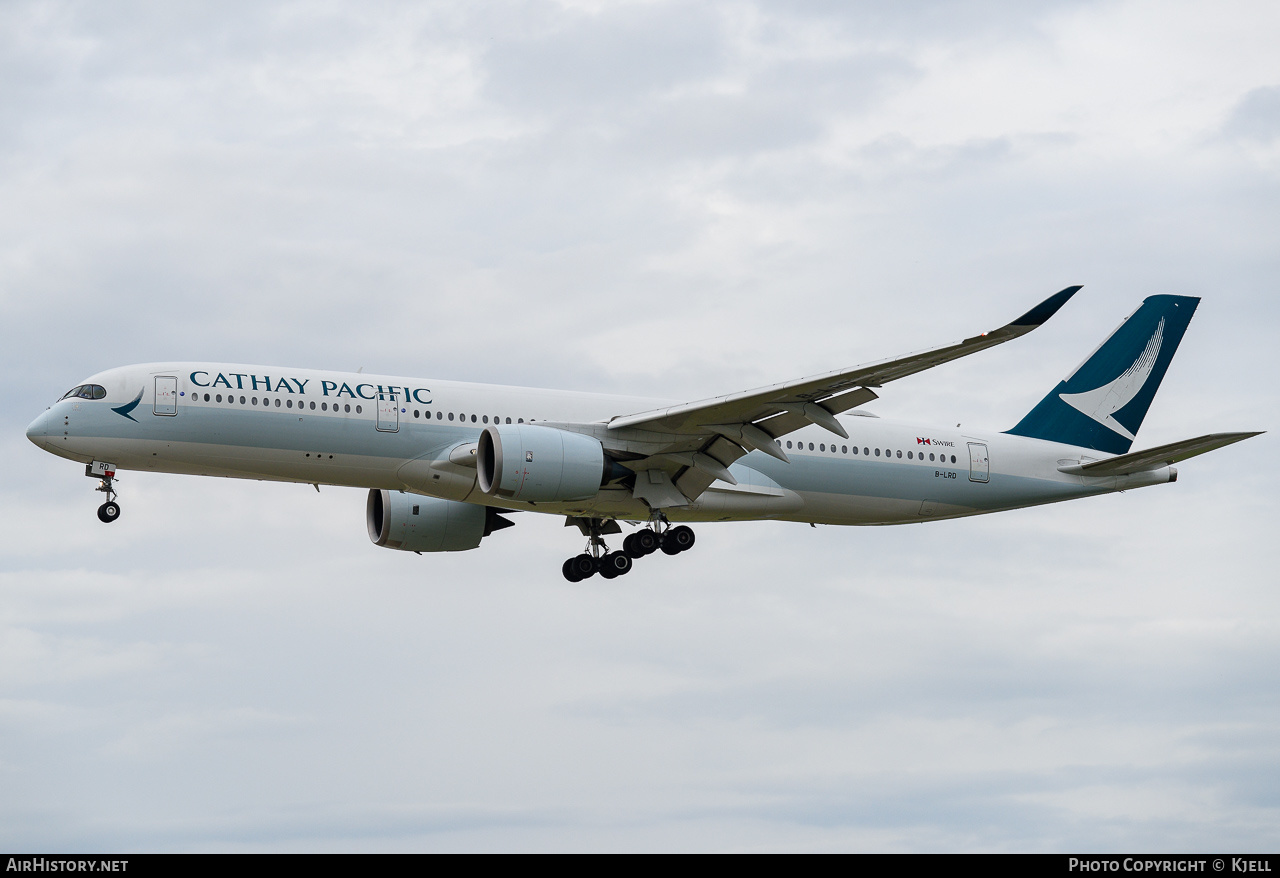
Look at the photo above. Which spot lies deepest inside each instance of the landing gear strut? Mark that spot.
(106, 474)
(598, 559)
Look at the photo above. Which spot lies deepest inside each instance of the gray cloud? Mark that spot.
(1257, 116)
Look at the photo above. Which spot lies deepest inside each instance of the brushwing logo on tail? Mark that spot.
(129, 407)
(1103, 402)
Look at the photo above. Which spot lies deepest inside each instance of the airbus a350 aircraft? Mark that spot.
(444, 460)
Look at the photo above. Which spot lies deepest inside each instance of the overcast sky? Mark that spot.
(666, 199)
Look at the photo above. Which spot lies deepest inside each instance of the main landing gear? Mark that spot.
(598, 559)
(106, 474)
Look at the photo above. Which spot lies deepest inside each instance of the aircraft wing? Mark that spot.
(734, 424)
(832, 391)
(1154, 458)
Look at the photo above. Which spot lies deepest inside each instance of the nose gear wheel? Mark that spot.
(110, 510)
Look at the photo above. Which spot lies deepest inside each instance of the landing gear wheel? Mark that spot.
(582, 566)
(635, 548)
(570, 573)
(109, 511)
(644, 541)
(615, 564)
(682, 538)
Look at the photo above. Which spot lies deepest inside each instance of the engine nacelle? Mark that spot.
(415, 523)
(538, 464)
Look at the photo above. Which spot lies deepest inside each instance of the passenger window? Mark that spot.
(931, 455)
(877, 452)
(953, 458)
(255, 400)
(416, 412)
(359, 410)
(899, 454)
(289, 404)
(473, 419)
(206, 397)
(451, 416)
(313, 406)
(522, 420)
(855, 449)
(844, 449)
(277, 403)
(486, 419)
(788, 443)
(508, 420)
(219, 397)
(822, 447)
(909, 455)
(811, 446)
(324, 406)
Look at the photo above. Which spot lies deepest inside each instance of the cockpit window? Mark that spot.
(86, 391)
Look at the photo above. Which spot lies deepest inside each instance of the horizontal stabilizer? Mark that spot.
(1154, 458)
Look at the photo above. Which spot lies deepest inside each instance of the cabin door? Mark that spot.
(979, 464)
(166, 396)
(388, 412)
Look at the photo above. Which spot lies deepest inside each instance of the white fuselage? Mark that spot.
(332, 428)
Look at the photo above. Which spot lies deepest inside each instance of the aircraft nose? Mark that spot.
(38, 430)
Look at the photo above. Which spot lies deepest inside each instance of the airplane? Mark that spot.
(445, 462)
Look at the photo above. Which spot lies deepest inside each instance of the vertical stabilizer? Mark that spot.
(1102, 403)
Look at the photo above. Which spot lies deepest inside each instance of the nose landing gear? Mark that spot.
(598, 559)
(106, 474)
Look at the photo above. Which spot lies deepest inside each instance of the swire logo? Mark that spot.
(923, 441)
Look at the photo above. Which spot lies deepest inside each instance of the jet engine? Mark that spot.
(539, 464)
(415, 523)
